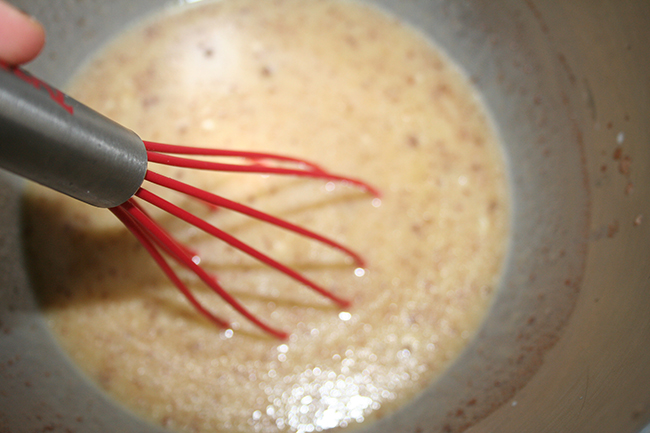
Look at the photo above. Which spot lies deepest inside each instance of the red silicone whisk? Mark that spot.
(50, 138)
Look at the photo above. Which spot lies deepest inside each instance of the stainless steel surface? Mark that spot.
(58, 142)
(565, 347)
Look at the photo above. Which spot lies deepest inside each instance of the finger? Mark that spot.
(21, 36)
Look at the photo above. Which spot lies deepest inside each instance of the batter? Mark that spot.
(334, 82)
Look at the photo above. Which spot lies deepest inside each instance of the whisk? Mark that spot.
(54, 140)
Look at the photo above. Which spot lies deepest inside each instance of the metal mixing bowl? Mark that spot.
(565, 347)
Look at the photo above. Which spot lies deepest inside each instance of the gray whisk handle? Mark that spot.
(50, 138)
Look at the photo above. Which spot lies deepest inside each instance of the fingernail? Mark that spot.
(22, 11)
(27, 14)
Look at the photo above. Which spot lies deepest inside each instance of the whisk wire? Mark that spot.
(140, 224)
(236, 243)
(306, 169)
(206, 151)
(147, 240)
(188, 251)
(246, 210)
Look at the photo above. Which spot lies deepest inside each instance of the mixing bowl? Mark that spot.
(565, 345)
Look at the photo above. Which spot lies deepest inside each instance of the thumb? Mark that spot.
(21, 36)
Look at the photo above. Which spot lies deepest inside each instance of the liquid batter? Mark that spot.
(337, 83)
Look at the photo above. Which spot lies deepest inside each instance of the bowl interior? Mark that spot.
(537, 106)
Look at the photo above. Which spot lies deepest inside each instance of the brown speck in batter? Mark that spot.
(625, 166)
(413, 141)
(266, 72)
(612, 229)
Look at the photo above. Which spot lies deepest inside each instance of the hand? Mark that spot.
(21, 36)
